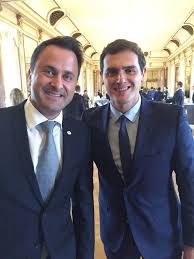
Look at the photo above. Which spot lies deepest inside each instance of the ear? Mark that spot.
(29, 77)
(143, 73)
(101, 74)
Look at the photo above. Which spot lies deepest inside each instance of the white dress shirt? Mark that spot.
(36, 136)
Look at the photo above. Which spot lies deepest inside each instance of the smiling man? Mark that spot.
(137, 144)
(46, 167)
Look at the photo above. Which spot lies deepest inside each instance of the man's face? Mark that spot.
(53, 80)
(177, 86)
(122, 78)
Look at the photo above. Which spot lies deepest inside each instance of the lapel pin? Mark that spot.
(68, 132)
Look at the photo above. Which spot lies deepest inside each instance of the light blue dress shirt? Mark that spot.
(113, 130)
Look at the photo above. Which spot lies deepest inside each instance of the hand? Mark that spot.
(188, 252)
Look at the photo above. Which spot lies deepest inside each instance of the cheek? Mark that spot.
(137, 81)
(70, 88)
(109, 83)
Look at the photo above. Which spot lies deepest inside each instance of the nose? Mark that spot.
(57, 81)
(121, 77)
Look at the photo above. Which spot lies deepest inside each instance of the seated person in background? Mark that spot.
(76, 107)
(102, 101)
(16, 96)
(97, 97)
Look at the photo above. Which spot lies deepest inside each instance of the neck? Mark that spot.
(124, 107)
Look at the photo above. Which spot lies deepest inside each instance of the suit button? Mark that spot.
(37, 245)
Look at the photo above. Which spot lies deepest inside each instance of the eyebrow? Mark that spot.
(55, 69)
(124, 67)
(129, 67)
(49, 67)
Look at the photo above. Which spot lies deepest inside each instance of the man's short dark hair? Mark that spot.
(77, 88)
(123, 45)
(180, 84)
(66, 42)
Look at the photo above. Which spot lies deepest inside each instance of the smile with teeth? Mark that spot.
(54, 94)
(122, 89)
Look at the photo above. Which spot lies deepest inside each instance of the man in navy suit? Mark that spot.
(178, 97)
(140, 213)
(61, 226)
(76, 107)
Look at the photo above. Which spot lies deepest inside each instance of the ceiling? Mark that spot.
(150, 23)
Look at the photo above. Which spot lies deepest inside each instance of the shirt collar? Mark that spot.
(130, 114)
(34, 117)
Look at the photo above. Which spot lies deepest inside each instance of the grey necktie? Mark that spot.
(48, 162)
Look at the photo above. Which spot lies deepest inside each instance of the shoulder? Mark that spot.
(11, 115)
(162, 111)
(166, 108)
(95, 113)
(78, 97)
(12, 110)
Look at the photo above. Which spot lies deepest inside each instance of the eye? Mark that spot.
(49, 72)
(68, 77)
(130, 70)
(111, 72)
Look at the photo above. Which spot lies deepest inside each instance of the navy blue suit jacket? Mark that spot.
(75, 108)
(178, 97)
(25, 221)
(148, 206)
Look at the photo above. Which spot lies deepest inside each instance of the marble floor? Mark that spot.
(99, 250)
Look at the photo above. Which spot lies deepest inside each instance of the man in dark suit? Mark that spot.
(158, 96)
(140, 213)
(76, 107)
(60, 225)
(178, 97)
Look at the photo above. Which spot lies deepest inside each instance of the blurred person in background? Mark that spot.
(16, 96)
(86, 99)
(76, 107)
(179, 96)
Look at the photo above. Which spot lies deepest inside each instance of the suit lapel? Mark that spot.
(69, 131)
(102, 124)
(101, 144)
(23, 150)
(144, 137)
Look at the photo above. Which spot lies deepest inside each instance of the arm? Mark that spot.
(184, 168)
(83, 210)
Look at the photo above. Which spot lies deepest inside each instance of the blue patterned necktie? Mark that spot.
(48, 162)
(125, 150)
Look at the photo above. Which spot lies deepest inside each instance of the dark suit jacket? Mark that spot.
(158, 96)
(178, 97)
(148, 206)
(75, 108)
(25, 221)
